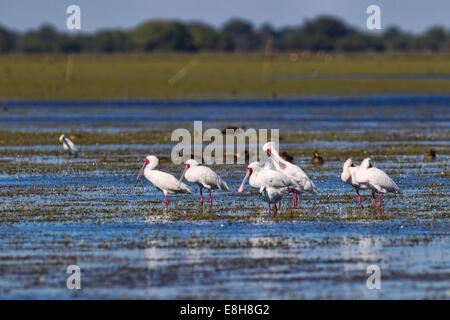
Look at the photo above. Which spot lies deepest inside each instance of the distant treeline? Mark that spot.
(323, 33)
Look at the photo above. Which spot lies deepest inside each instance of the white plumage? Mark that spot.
(274, 182)
(204, 177)
(303, 182)
(68, 145)
(260, 177)
(165, 182)
(375, 179)
(348, 176)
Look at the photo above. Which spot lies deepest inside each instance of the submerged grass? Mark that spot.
(159, 136)
(78, 197)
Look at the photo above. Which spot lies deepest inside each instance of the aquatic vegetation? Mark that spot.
(56, 211)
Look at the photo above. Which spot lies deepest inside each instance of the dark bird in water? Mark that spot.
(246, 156)
(165, 159)
(236, 129)
(286, 156)
(430, 155)
(317, 159)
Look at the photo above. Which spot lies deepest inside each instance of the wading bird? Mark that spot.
(204, 177)
(271, 196)
(376, 179)
(68, 145)
(348, 176)
(165, 182)
(303, 182)
(274, 181)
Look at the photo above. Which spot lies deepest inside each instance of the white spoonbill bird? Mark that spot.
(260, 176)
(271, 195)
(271, 179)
(303, 182)
(204, 177)
(375, 179)
(348, 176)
(68, 145)
(165, 182)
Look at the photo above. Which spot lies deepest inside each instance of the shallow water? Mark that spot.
(88, 211)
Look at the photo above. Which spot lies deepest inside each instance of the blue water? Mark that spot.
(321, 113)
(128, 246)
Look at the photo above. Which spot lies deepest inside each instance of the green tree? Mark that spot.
(112, 41)
(241, 34)
(360, 42)
(7, 40)
(162, 36)
(203, 36)
(395, 40)
(267, 32)
(327, 27)
(319, 34)
(433, 39)
(45, 39)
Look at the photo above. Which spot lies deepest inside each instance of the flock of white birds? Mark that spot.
(274, 178)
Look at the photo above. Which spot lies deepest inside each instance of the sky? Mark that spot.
(410, 15)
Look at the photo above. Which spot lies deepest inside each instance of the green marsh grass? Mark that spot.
(134, 76)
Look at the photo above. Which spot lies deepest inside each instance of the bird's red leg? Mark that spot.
(294, 198)
(379, 200)
(210, 197)
(374, 201)
(279, 203)
(201, 196)
(167, 201)
(359, 197)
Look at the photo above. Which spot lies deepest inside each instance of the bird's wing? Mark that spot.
(268, 164)
(274, 179)
(71, 145)
(223, 185)
(295, 172)
(166, 181)
(379, 180)
(302, 179)
(360, 176)
(209, 178)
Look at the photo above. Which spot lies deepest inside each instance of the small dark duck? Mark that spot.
(317, 160)
(430, 155)
(286, 156)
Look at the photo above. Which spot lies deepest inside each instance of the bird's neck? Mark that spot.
(346, 174)
(278, 162)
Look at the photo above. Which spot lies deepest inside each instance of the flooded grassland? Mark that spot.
(57, 211)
